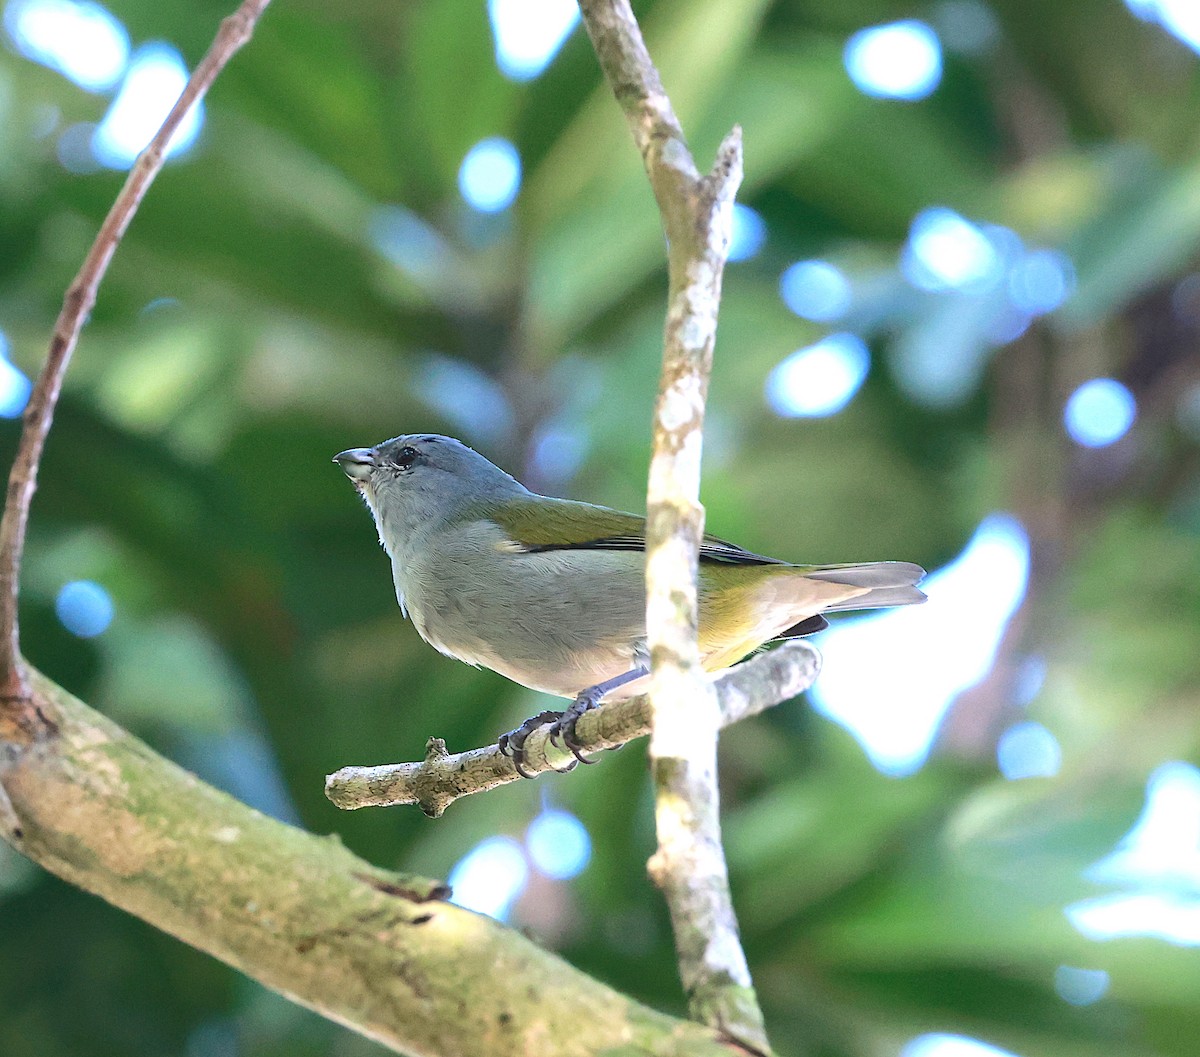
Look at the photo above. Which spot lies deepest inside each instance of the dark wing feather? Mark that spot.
(810, 626)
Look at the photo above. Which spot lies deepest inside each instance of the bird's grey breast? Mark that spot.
(538, 617)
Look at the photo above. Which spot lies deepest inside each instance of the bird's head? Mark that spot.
(420, 480)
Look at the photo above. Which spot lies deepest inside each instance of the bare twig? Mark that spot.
(697, 212)
(234, 32)
(441, 778)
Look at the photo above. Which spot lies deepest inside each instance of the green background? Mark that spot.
(256, 637)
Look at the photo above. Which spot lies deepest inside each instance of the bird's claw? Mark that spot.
(562, 731)
(512, 744)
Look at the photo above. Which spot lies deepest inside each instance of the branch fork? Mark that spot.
(683, 712)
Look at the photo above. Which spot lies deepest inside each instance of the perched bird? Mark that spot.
(551, 592)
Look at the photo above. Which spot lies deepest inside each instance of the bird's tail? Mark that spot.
(887, 584)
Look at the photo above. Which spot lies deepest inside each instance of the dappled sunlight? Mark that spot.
(981, 288)
(558, 451)
(815, 290)
(947, 252)
(1157, 864)
(1100, 412)
(529, 33)
(491, 878)
(410, 243)
(1081, 987)
(749, 233)
(940, 1045)
(1028, 750)
(1040, 281)
(901, 60)
(923, 657)
(84, 608)
(82, 41)
(156, 78)
(1181, 18)
(558, 844)
(14, 386)
(819, 380)
(473, 403)
(963, 279)
(490, 175)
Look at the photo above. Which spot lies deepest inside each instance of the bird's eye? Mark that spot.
(406, 456)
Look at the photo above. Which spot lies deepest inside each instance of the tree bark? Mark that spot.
(382, 953)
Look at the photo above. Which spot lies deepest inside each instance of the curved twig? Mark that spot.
(234, 32)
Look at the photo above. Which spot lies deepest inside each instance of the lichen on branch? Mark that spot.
(435, 782)
(697, 216)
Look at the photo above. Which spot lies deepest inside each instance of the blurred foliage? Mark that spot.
(251, 327)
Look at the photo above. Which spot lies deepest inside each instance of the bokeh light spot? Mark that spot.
(1099, 412)
(1157, 866)
(941, 1045)
(490, 877)
(408, 242)
(82, 41)
(815, 290)
(1041, 281)
(749, 233)
(901, 60)
(157, 75)
(558, 450)
(923, 657)
(14, 386)
(529, 33)
(1028, 750)
(819, 380)
(74, 148)
(966, 26)
(490, 175)
(558, 844)
(1080, 987)
(84, 608)
(475, 402)
(1180, 18)
(947, 252)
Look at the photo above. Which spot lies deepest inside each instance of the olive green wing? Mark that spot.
(539, 523)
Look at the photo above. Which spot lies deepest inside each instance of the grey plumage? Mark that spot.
(550, 593)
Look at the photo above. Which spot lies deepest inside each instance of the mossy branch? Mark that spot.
(380, 952)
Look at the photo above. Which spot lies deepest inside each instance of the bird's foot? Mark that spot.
(512, 744)
(562, 731)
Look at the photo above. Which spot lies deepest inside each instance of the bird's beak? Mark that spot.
(356, 463)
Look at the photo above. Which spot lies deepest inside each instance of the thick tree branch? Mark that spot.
(382, 953)
(440, 779)
(697, 213)
(234, 32)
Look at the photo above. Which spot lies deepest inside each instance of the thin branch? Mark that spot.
(234, 32)
(440, 779)
(697, 214)
(380, 952)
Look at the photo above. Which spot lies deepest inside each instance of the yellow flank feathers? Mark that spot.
(744, 606)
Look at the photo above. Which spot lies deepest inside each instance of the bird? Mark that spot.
(551, 592)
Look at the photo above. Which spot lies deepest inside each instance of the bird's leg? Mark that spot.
(564, 725)
(513, 743)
